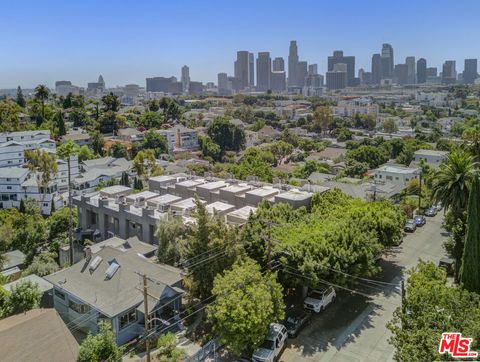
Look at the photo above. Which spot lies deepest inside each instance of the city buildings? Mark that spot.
(337, 78)
(387, 61)
(278, 81)
(449, 72)
(159, 84)
(470, 72)
(224, 88)
(185, 79)
(349, 61)
(411, 71)
(376, 68)
(243, 69)
(351, 107)
(278, 64)
(264, 70)
(421, 71)
(292, 64)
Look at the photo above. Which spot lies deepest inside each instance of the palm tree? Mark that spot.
(43, 165)
(41, 93)
(451, 186)
(452, 182)
(471, 136)
(66, 151)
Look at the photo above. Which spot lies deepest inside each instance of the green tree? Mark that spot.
(20, 100)
(156, 142)
(255, 162)
(9, 116)
(323, 119)
(280, 150)
(168, 350)
(151, 119)
(41, 93)
(227, 135)
(246, 302)
(60, 123)
(371, 155)
(118, 150)
(430, 308)
(125, 180)
(100, 347)
(170, 233)
(111, 102)
(42, 264)
(470, 270)
(389, 126)
(45, 164)
(97, 142)
(24, 296)
(210, 149)
(85, 153)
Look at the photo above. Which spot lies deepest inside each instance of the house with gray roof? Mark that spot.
(107, 286)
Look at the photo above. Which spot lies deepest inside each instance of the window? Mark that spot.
(45, 204)
(79, 308)
(128, 318)
(59, 294)
(9, 187)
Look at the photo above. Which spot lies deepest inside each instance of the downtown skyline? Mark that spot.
(128, 46)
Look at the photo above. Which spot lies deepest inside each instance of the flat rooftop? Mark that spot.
(219, 207)
(212, 185)
(295, 195)
(190, 183)
(264, 191)
(243, 213)
(111, 191)
(237, 188)
(144, 194)
(396, 169)
(166, 199)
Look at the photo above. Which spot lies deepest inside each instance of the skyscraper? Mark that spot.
(302, 72)
(278, 82)
(339, 58)
(264, 69)
(223, 88)
(401, 74)
(411, 72)
(292, 64)
(432, 72)
(251, 70)
(449, 72)
(337, 77)
(312, 69)
(185, 79)
(376, 68)
(421, 71)
(387, 61)
(242, 67)
(470, 71)
(278, 64)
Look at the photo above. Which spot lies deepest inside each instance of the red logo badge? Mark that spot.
(456, 345)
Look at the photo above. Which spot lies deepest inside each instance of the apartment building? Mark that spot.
(117, 211)
(432, 158)
(180, 138)
(398, 175)
(351, 107)
(14, 144)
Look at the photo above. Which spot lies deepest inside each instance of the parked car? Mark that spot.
(432, 211)
(296, 320)
(273, 345)
(420, 220)
(318, 299)
(410, 226)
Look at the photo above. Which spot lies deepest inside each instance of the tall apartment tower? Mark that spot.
(339, 58)
(387, 61)
(411, 71)
(421, 71)
(293, 64)
(312, 69)
(251, 70)
(470, 71)
(376, 68)
(278, 64)
(302, 72)
(449, 72)
(242, 69)
(264, 70)
(223, 88)
(185, 78)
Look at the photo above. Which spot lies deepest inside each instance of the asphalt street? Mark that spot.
(353, 328)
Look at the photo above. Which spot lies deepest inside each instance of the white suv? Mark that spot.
(273, 345)
(318, 299)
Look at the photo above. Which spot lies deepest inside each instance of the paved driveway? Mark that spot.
(353, 328)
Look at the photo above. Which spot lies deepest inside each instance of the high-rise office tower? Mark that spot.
(302, 72)
(339, 58)
(470, 71)
(223, 87)
(411, 71)
(312, 69)
(387, 61)
(337, 77)
(242, 67)
(251, 70)
(421, 71)
(401, 74)
(185, 79)
(278, 64)
(293, 64)
(278, 81)
(264, 70)
(376, 68)
(432, 72)
(449, 72)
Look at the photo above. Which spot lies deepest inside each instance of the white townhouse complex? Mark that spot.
(351, 107)
(14, 144)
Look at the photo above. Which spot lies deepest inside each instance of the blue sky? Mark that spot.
(126, 41)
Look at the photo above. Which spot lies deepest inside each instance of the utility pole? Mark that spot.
(146, 318)
(269, 244)
(70, 216)
(420, 191)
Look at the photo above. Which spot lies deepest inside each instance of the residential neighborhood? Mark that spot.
(287, 211)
